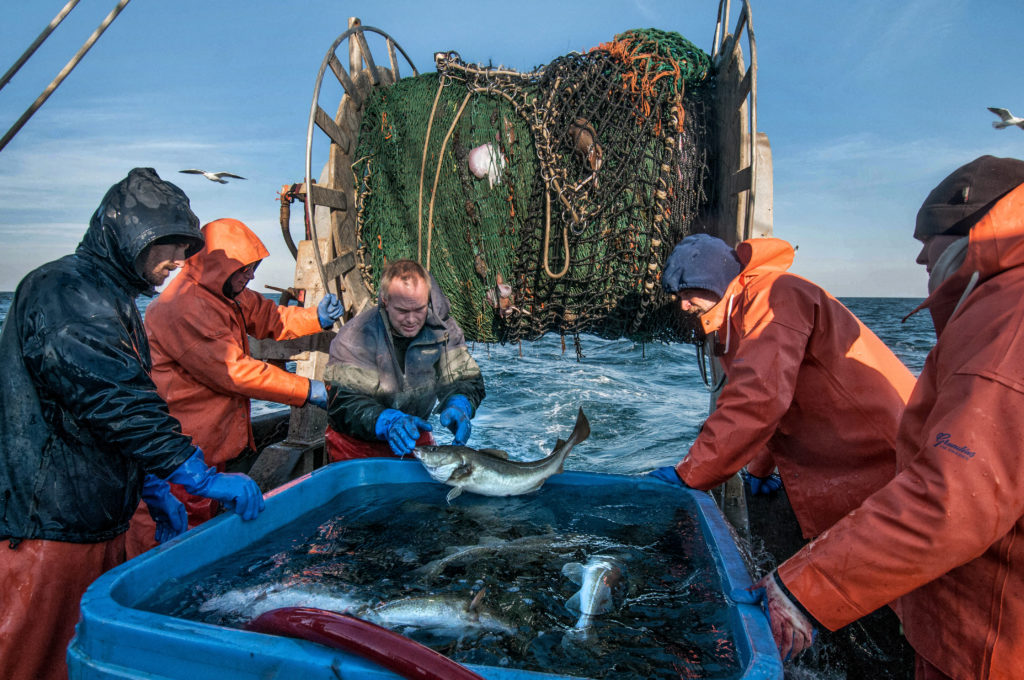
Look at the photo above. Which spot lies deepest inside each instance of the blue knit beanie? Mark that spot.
(700, 261)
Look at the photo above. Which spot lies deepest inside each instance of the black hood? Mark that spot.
(137, 211)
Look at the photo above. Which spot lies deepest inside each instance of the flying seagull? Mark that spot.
(213, 176)
(1008, 118)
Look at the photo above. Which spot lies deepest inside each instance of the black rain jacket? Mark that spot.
(80, 420)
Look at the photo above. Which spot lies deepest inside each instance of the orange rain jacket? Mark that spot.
(199, 340)
(946, 536)
(809, 386)
(201, 364)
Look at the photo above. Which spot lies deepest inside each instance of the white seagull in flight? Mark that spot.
(213, 176)
(1008, 118)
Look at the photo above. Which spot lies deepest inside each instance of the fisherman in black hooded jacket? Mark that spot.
(83, 433)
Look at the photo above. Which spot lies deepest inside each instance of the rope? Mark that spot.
(423, 170)
(437, 175)
(547, 239)
(64, 73)
(37, 42)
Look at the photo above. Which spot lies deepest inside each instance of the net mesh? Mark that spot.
(547, 200)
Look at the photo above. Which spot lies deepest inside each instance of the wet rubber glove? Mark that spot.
(793, 632)
(235, 491)
(456, 417)
(167, 511)
(762, 485)
(400, 430)
(329, 310)
(667, 474)
(317, 394)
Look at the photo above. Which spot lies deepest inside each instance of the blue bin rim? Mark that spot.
(104, 603)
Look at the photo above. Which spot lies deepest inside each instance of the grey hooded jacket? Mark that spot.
(364, 377)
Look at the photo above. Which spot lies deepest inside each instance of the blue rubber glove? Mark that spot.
(667, 474)
(749, 595)
(329, 310)
(400, 430)
(167, 511)
(456, 416)
(317, 394)
(234, 491)
(762, 485)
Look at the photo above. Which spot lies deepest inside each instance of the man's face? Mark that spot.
(933, 247)
(241, 278)
(696, 301)
(161, 260)
(406, 305)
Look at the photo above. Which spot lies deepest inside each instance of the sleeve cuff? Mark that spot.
(792, 598)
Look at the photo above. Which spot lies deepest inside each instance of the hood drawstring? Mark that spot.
(967, 291)
(702, 364)
(702, 352)
(728, 324)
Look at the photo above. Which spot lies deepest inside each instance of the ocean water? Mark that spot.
(645, 402)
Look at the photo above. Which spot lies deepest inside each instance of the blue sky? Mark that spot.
(867, 106)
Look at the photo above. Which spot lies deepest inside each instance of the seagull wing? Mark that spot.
(193, 172)
(1002, 113)
(228, 174)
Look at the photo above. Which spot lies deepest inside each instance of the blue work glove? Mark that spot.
(667, 474)
(400, 430)
(317, 394)
(456, 416)
(329, 310)
(167, 511)
(762, 485)
(234, 491)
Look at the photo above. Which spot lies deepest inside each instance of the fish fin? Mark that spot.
(573, 603)
(573, 571)
(477, 599)
(424, 571)
(497, 453)
(460, 473)
(581, 430)
(454, 493)
(559, 443)
(580, 636)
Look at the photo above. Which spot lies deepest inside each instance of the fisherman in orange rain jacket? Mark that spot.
(944, 538)
(198, 331)
(810, 388)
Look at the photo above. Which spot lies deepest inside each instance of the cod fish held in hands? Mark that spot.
(489, 472)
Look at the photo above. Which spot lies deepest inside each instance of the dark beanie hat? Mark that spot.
(700, 261)
(963, 198)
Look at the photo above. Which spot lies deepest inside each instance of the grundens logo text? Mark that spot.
(943, 440)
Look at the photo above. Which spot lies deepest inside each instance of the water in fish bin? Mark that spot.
(580, 581)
